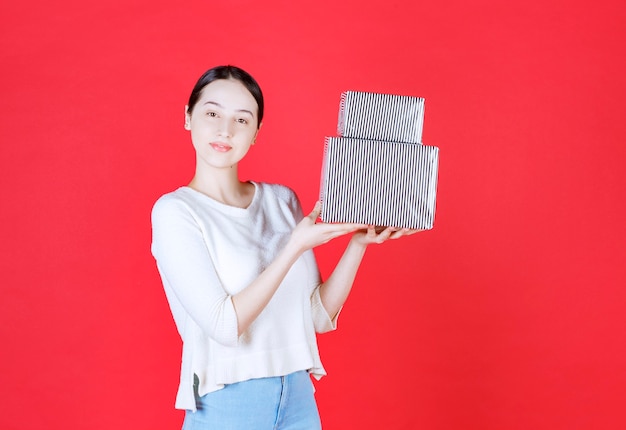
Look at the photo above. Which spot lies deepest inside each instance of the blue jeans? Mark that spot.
(277, 403)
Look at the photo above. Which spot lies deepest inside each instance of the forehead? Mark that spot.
(230, 94)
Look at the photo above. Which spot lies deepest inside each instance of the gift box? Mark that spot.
(379, 183)
(387, 117)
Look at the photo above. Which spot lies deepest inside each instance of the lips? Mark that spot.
(220, 146)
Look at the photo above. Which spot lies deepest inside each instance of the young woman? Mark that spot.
(240, 276)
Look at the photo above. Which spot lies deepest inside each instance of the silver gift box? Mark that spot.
(387, 117)
(379, 183)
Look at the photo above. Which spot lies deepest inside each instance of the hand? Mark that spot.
(309, 234)
(374, 235)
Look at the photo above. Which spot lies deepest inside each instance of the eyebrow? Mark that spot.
(236, 110)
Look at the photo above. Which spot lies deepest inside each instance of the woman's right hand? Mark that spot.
(309, 233)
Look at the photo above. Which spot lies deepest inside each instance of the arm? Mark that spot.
(336, 289)
(252, 300)
(191, 283)
(307, 235)
(188, 273)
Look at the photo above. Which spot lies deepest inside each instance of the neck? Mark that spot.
(224, 186)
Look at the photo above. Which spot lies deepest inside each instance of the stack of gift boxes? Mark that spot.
(377, 171)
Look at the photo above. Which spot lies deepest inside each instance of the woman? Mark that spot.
(240, 276)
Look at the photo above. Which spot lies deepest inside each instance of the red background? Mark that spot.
(508, 315)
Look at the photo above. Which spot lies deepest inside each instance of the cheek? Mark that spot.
(248, 134)
(197, 138)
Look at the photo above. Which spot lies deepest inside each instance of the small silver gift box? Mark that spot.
(388, 117)
(379, 183)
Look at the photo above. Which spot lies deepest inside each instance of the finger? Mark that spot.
(317, 209)
(344, 228)
(413, 231)
(387, 233)
(371, 232)
(376, 235)
(405, 232)
(398, 234)
(355, 226)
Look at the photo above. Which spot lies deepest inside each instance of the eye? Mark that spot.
(242, 120)
(211, 114)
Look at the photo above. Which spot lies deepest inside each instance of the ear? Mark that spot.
(187, 118)
(256, 134)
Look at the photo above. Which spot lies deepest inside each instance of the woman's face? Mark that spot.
(223, 124)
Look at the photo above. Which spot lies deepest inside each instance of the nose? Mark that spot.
(225, 128)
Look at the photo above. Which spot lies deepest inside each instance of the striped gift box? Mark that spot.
(379, 183)
(386, 117)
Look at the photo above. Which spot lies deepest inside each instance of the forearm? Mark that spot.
(334, 292)
(251, 301)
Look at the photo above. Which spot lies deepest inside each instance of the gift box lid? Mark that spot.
(387, 117)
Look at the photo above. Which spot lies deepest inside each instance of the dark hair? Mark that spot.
(228, 72)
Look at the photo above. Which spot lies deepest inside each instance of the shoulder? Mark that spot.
(281, 197)
(279, 192)
(172, 204)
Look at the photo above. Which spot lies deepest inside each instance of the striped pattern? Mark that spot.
(386, 117)
(379, 183)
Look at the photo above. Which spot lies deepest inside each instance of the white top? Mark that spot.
(206, 252)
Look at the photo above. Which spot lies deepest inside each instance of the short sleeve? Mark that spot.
(321, 319)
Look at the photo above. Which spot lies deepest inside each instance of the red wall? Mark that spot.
(508, 315)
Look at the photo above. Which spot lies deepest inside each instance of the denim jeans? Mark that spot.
(277, 403)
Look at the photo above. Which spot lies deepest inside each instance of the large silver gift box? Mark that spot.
(387, 117)
(379, 183)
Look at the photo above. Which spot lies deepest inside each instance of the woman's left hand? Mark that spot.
(335, 290)
(369, 236)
